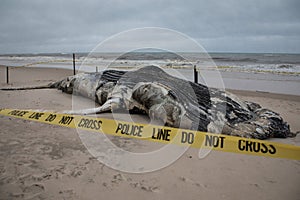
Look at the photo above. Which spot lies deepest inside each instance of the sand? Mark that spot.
(40, 161)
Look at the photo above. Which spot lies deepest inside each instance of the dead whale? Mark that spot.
(175, 102)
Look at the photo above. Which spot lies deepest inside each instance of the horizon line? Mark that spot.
(208, 52)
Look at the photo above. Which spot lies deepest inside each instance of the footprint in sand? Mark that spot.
(34, 188)
(67, 194)
(187, 180)
(142, 185)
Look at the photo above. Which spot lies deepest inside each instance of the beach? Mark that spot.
(41, 161)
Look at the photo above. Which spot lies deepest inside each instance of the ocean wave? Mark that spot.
(285, 69)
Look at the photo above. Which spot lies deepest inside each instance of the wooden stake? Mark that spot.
(195, 74)
(7, 76)
(74, 64)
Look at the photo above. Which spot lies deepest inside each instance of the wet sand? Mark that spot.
(40, 161)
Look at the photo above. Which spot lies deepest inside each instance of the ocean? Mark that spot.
(238, 62)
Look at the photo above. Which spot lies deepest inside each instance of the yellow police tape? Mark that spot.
(162, 134)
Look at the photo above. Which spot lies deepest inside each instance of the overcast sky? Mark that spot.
(45, 26)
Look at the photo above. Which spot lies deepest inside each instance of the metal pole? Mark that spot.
(7, 76)
(195, 74)
(74, 63)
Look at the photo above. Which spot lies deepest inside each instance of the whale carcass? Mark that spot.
(175, 102)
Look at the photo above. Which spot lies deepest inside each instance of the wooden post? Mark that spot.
(195, 74)
(97, 69)
(7, 76)
(74, 64)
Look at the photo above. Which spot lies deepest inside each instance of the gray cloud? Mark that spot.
(73, 25)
